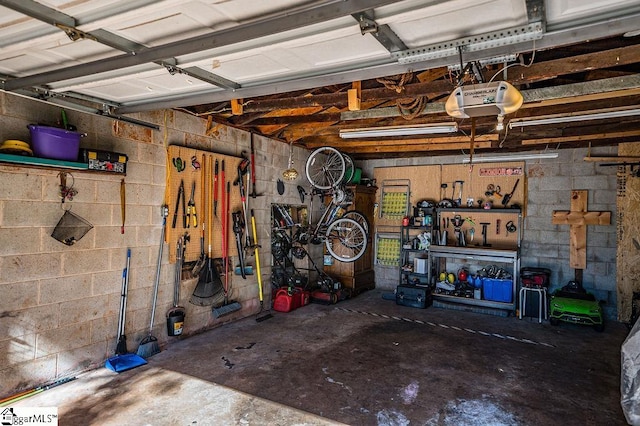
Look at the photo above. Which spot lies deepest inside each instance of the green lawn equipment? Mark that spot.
(574, 305)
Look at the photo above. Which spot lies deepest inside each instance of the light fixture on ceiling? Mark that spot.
(418, 129)
(291, 173)
(596, 114)
(511, 157)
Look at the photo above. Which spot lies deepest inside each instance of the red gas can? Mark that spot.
(284, 302)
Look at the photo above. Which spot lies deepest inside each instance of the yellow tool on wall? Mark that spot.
(123, 203)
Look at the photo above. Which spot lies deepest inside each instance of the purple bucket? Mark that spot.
(54, 143)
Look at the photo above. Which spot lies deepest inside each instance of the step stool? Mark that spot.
(542, 301)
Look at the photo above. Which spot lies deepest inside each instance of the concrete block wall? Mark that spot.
(550, 182)
(60, 303)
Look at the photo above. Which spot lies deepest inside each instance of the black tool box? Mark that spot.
(413, 296)
(105, 161)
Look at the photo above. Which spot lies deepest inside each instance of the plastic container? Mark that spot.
(284, 302)
(54, 143)
(175, 322)
(497, 290)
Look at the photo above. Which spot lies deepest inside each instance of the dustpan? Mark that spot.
(120, 363)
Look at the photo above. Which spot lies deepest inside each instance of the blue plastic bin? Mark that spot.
(497, 290)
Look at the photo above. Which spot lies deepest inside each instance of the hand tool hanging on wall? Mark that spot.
(238, 227)
(123, 204)
(209, 281)
(180, 197)
(229, 307)
(457, 222)
(493, 189)
(507, 197)
(259, 316)
(458, 201)
(225, 232)
(485, 226)
(243, 200)
(197, 267)
(243, 168)
(215, 188)
(445, 202)
(253, 171)
(192, 217)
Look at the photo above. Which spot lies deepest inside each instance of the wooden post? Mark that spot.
(578, 218)
(236, 106)
(354, 95)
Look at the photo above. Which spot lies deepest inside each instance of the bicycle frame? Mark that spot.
(315, 232)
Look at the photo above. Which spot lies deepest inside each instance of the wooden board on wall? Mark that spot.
(424, 185)
(497, 221)
(189, 176)
(426, 181)
(628, 229)
(477, 178)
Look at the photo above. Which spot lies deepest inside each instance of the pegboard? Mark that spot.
(503, 227)
(195, 170)
(473, 182)
(424, 185)
(427, 183)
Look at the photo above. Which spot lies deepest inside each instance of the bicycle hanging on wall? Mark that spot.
(343, 232)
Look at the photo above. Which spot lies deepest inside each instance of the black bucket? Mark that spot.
(175, 322)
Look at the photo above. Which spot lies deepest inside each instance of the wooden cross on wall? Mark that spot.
(578, 218)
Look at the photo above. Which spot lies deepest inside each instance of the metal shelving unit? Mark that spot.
(503, 249)
(407, 256)
(479, 255)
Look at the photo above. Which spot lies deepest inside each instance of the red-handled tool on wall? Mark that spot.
(215, 187)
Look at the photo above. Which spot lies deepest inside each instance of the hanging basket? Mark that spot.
(70, 228)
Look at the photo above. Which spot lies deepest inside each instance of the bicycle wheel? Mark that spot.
(346, 240)
(325, 168)
(358, 217)
(349, 169)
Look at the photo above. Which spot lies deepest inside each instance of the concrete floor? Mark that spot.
(363, 361)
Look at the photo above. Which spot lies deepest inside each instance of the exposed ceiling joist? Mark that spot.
(285, 69)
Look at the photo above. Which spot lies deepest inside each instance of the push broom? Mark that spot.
(123, 360)
(227, 307)
(149, 345)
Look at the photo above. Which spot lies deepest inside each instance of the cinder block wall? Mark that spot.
(60, 303)
(550, 182)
